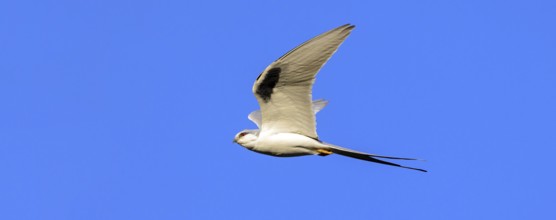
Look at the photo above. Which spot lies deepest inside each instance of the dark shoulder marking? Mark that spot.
(265, 88)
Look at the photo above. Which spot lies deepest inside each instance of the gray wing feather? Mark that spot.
(284, 89)
(257, 118)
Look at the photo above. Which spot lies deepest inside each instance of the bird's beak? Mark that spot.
(234, 141)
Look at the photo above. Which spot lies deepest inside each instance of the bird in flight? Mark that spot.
(286, 120)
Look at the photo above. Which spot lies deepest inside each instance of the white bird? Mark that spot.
(286, 120)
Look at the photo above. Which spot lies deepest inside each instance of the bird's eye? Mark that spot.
(242, 134)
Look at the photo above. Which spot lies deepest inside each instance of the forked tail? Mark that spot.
(370, 157)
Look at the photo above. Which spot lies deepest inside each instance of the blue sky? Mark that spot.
(127, 110)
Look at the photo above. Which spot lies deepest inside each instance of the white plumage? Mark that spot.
(286, 121)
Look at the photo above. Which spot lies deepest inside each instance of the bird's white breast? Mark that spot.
(286, 144)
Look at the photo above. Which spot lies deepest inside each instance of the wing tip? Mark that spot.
(321, 101)
(347, 27)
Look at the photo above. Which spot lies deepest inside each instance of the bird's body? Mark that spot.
(287, 145)
(287, 116)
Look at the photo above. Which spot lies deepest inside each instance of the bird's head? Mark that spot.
(246, 138)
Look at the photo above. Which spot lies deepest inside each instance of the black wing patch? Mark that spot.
(265, 88)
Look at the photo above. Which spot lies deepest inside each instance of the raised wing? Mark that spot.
(283, 90)
(257, 118)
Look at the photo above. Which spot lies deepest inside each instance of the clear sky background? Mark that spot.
(127, 110)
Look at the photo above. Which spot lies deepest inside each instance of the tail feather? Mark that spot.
(370, 157)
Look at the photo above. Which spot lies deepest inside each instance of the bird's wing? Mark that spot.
(283, 89)
(319, 105)
(257, 118)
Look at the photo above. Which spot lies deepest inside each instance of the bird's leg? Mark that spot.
(324, 152)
